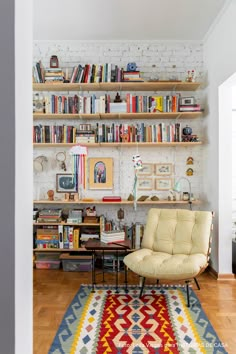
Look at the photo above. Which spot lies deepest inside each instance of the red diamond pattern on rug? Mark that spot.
(127, 324)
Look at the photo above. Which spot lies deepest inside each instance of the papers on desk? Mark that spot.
(112, 236)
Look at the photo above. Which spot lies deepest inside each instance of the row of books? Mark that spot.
(139, 132)
(54, 134)
(60, 236)
(68, 237)
(95, 73)
(135, 234)
(103, 104)
(38, 72)
(113, 133)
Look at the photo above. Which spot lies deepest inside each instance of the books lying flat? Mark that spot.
(111, 199)
(112, 236)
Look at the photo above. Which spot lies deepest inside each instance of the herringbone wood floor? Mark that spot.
(55, 289)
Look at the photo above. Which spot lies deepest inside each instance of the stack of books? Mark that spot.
(190, 108)
(114, 236)
(53, 75)
(49, 216)
(132, 76)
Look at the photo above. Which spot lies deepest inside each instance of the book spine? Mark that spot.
(60, 233)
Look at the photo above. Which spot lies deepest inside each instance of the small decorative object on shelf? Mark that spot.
(185, 196)
(120, 214)
(50, 194)
(125, 137)
(117, 99)
(131, 67)
(54, 63)
(187, 130)
(188, 136)
(91, 211)
(154, 198)
(191, 76)
(171, 196)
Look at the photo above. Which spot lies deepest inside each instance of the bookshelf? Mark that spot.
(81, 118)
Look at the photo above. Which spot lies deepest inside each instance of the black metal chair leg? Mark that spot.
(187, 290)
(196, 282)
(142, 287)
(157, 281)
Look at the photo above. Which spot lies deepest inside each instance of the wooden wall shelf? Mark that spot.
(149, 144)
(117, 116)
(123, 202)
(119, 86)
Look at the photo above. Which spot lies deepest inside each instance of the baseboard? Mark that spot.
(221, 276)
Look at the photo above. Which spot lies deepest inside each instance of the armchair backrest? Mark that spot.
(177, 231)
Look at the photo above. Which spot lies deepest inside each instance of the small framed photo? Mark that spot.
(145, 184)
(146, 170)
(101, 173)
(66, 183)
(163, 184)
(163, 169)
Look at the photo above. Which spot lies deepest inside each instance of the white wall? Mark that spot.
(220, 60)
(161, 59)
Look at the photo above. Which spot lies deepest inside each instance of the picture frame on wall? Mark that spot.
(163, 184)
(145, 184)
(66, 183)
(146, 170)
(100, 173)
(163, 169)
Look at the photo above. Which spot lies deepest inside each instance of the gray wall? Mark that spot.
(7, 176)
(16, 177)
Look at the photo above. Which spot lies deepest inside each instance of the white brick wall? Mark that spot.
(154, 59)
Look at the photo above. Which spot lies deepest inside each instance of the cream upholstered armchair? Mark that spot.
(175, 246)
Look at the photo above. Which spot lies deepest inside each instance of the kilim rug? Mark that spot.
(119, 323)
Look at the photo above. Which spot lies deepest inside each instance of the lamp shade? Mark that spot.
(177, 188)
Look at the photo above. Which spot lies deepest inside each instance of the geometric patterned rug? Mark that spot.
(119, 323)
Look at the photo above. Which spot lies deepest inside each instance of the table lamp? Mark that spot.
(177, 188)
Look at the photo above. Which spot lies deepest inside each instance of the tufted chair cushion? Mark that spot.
(175, 245)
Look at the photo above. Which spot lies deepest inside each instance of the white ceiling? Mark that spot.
(125, 19)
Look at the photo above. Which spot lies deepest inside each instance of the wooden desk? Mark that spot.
(96, 245)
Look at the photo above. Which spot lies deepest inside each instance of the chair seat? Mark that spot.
(160, 265)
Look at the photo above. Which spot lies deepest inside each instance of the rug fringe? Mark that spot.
(137, 286)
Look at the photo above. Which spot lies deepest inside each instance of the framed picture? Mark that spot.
(66, 183)
(163, 184)
(100, 173)
(145, 184)
(163, 169)
(146, 170)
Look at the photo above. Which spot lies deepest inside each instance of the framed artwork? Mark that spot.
(145, 184)
(66, 183)
(163, 184)
(146, 170)
(100, 173)
(163, 169)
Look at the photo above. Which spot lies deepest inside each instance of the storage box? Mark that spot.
(76, 263)
(45, 264)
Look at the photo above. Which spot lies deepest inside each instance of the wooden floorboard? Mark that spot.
(55, 289)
